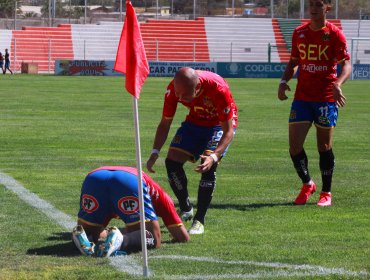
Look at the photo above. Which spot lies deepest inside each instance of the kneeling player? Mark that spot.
(112, 192)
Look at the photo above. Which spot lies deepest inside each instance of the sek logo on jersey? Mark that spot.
(129, 204)
(89, 203)
(313, 52)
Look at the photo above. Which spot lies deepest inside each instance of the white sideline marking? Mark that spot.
(125, 263)
(307, 270)
(129, 264)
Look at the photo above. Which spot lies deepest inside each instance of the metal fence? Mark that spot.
(44, 52)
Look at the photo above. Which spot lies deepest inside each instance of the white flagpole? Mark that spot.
(140, 188)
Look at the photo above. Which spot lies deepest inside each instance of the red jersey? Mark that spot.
(161, 201)
(318, 53)
(214, 103)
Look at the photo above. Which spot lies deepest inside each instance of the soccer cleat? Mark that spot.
(111, 244)
(325, 199)
(82, 242)
(305, 193)
(186, 216)
(196, 228)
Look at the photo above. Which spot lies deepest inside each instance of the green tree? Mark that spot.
(7, 8)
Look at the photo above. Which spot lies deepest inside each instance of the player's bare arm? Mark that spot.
(290, 71)
(208, 159)
(159, 140)
(339, 98)
(179, 233)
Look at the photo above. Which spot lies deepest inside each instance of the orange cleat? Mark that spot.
(305, 193)
(325, 199)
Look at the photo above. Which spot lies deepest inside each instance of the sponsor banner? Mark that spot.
(85, 68)
(168, 69)
(250, 70)
(105, 68)
(361, 71)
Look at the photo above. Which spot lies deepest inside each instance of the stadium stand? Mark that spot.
(96, 42)
(175, 40)
(209, 39)
(282, 43)
(40, 45)
(361, 49)
(287, 27)
(6, 39)
(240, 39)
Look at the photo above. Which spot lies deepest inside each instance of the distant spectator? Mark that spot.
(7, 63)
(1, 62)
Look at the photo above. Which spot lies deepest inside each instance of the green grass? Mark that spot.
(53, 130)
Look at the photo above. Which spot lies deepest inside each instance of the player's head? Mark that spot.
(186, 84)
(319, 8)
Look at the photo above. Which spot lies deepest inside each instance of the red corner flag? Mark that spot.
(131, 58)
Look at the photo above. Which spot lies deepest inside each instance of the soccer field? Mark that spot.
(53, 130)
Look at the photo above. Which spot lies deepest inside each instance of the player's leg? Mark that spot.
(183, 148)
(300, 120)
(207, 184)
(177, 179)
(206, 189)
(327, 163)
(297, 137)
(82, 240)
(93, 213)
(327, 114)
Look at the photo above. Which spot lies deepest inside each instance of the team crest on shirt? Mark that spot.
(326, 37)
(207, 101)
(128, 205)
(89, 203)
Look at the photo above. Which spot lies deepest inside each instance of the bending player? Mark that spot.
(111, 192)
(205, 134)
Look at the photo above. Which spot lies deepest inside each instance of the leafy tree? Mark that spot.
(7, 8)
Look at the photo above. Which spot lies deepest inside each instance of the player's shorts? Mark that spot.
(7, 64)
(322, 114)
(1, 64)
(110, 193)
(194, 140)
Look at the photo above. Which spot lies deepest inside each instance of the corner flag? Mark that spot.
(131, 58)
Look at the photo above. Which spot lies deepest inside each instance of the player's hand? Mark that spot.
(151, 161)
(281, 91)
(207, 162)
(339, 98)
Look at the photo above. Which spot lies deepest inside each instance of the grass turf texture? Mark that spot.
(56, 129)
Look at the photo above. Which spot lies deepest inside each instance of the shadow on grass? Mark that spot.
(249, 207)
(66, 249)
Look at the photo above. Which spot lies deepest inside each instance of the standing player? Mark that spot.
(7, 62)
(206, 134)
(1, 62)
(111, 192)
(317, 48)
